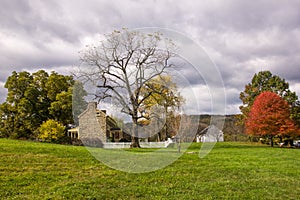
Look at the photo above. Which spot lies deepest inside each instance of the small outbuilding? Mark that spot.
(73, 133)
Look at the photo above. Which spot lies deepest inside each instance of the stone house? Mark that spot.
(96, 128)
(92, 124)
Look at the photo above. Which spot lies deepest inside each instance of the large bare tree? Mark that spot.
(123, 64)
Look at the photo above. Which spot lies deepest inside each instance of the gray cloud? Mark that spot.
(241, 37)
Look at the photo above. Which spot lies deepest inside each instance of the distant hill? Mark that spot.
(232, 131)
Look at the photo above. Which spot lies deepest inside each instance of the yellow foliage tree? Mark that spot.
(163, 92)
(51, 131)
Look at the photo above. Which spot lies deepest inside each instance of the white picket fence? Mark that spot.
(120, 145)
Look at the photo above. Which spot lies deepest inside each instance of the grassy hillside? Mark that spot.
(231, 171)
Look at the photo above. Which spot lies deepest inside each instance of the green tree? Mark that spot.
(51, 131)
(61, 109)
(17, 108)
(78, 102)
(30, 99)
(40, 79)
(7, 120)
(265, 81)
(56, 84)
(59, 91)
(295, 113)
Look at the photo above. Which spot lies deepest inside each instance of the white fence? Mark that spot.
(119, 145)
(116, 145)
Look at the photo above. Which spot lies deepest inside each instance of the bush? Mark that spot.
(51, 131)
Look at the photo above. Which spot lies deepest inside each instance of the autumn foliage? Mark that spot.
(270, 116)
(51, 131)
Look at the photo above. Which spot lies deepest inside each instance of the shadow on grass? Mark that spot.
(232, 145)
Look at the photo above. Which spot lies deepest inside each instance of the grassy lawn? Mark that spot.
(231, 171)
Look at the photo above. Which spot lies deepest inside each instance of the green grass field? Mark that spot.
(31, 170)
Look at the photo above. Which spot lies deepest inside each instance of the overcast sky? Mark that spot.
(241, 37)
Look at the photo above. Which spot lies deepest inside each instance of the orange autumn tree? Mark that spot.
(270, 116)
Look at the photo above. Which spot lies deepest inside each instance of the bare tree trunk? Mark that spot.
(271, 141)
(135, 142)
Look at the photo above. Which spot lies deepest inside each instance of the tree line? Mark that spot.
(38, 100)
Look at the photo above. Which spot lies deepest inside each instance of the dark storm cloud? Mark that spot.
(241, 37)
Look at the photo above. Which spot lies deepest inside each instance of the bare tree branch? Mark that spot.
(123, 64)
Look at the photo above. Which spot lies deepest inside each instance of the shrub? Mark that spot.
(51, 131)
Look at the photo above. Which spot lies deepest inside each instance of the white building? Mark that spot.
(210, 134)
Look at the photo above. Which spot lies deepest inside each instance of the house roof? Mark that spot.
(111, 122)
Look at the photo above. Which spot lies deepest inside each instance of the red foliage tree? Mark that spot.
(270, 116)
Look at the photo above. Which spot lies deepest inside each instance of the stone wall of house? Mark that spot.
(92, 126)
(101, 118)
